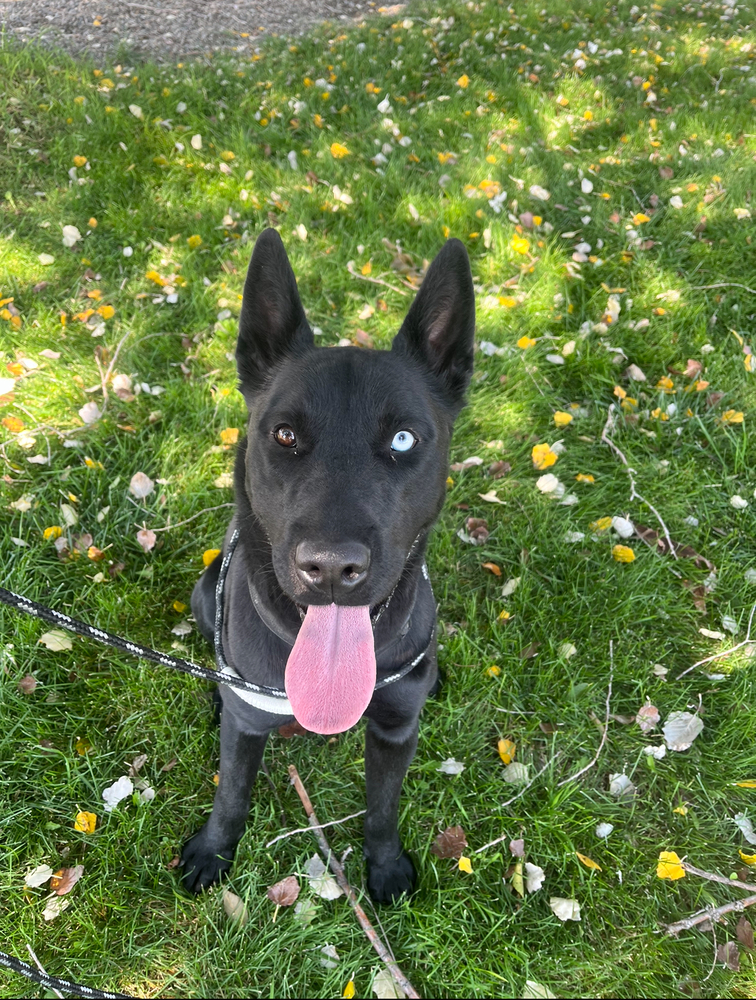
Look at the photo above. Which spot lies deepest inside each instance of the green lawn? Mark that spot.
(639, 123)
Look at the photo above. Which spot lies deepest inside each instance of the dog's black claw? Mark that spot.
(386, 883)
(203, 865)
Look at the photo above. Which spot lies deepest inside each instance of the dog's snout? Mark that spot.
(333, 570)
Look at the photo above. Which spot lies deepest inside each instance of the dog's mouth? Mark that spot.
(330, 673)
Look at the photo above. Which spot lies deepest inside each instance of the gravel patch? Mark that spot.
(168, 29)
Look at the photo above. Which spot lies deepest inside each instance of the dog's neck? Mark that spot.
(276, 609)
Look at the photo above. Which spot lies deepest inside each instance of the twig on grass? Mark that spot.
(725, 284)
(688, 923)
(398, 976)
(179, 524)
(634, 494)
(605, 733)
(713, 877)
(321, 826)
(514, 798)
(42, 970)
(373, 281)
(727, 652)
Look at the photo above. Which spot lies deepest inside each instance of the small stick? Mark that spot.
(179, 524)
(373, 281)
(514, 799)
(722, 879)
(634, 494)
(719, 656)
(321, 826)
(42, 969)
(726, 284)
(688, 923)
(398, 976)
(606, 721)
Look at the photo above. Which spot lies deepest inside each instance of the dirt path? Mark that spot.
(166, 29)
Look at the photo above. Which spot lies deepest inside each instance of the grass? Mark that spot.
(128, 925)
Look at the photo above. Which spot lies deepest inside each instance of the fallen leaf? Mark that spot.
(209, 556)
(38, 877)
(543, 457)
(321, 882)
(681, 729)
(451, 766)
(510, 586)
(534, 877)
(516, 881)
(465, 865)
(54, 907)
(744, 931)
(745, 826)
(530, 651)
(385, 988)
(117, 792)
(146, 538)
(507, 750)
(729, 955)
(235, 907)
(27, 684)
(141, 485)
(603, 830)
(669, 866)
(623, 554)
(746, 784)
(85, 822)
(492, 568)
(515, 773)
(565, 909)
(620, 786)
(536, 991)
(517, 847)
(562, 419)
(349, 990)
(588, 862)
(450, 843)
(182, 628)
(285, 892)
(647, 717)
(65, 879)
(749, 859)
(56, 640)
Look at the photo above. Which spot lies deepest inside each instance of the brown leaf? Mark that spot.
(65, 879)
(477, 528)
(624, 720)
(648, 244)
(647, 535)
(499, 469)
(647, 717)
(170, 765)
(285, 892)
(363, 338)
(450, 844)
(492, 568)
(745, 933)
(27, 684)
(81, 543)
(698, 592)
(174, 862)
(137, 764)
(40, 287)
(693, 368)
(517, 848)
(146, 538)
(666, 173)
(700, 227)
(712, 398)
(729, 955)
(115, 569)
(547, 727)
(292, 729)
(530, 651)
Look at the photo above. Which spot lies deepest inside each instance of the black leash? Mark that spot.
(55, 982)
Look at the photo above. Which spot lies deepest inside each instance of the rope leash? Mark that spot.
(55, 982)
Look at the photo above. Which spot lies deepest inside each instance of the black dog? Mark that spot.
(323, 586)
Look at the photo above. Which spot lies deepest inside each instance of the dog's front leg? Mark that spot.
(208, 855)
(388, 754)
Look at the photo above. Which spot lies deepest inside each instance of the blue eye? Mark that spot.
(403, 441)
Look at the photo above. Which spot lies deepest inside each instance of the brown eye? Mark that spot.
(285, 436)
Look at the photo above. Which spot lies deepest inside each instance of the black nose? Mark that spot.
(334, 570)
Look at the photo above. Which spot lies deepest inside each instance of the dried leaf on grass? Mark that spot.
(450, 843)
(54, 907)
(681, 729)
(38, 877)
(588, 862)
(141, 485)
(236, 908)
(321, 882)
(65, 879)
(56, 640)
(565, 909)
(647, 717)
(534, 877)
(536, 991)
(729, 955)
(385, 988)
(744, 930)
(669, 866)
(285, 892)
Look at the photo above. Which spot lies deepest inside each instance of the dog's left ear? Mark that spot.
(439, 328)
(272, 324)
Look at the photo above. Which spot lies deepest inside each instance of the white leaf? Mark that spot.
(451, 766)
(569, 348)
(548, 483)
(236, 908)
(676, 201)
(620, 786)
(117, 792)
(141, 485)
(730, 624)
(323, 884)
(569, 500)
(680, 729)
(197, 141)
(572, 537)
(385, 988)
(534, 877)
(385, 106)
(623, 527)
(8, 385)
(750, 576)
(136, 110)
(180, 108)
(555, 359)
(586, 186)
(224, 480)
(567, 650)
(536, 991)
(56, 640)
(38, 460)
(90, 413)
(710, 634)
(330, 958)
(510, 586)
(147, 794)
(536, 191)
(745, 826)
(38, 877)
(55, 906)
(50, 355)
(515, 773)
(146, 538)
(70, 235)
(491, 497)
(603, 830)
(23, 503)
(301, 231)
(658, 753)
(183, 628)
(565, 909)
(635, 373)
(46, 259)
(738, 502)
(68, 515)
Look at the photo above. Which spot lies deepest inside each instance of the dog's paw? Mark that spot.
(386, 883)
(203, 864)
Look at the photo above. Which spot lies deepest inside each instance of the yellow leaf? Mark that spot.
(588, 116)
(230, 435)
(79, 161)
(665, 383)
(508, 302)
(85, 822)
(338, 151)
(584, 477)
(367, 268)
(83, 746)
(517, 882)
(507, 750)
(602, 524)
(623, 553)
(107, 312)
(493, 670)
(463, 81)
(349, 990)
(749, 859)
(504, 616)
(525, 342)
(681, 810)
(54, 531)
(91, 463)
(445, 230)
(179, 606)
(748, 361)
(732, 417)
(464, 865)
(537, 220)
(92, 223)
(619, 392)
(640, 217)
(562, 101)
(746, 784)
(543, 457)
(669, 866)
(520, 244)
(194, 241)
(588, 862)
(209, 555)
(561, 419)
(227, 155)
(154, 276)
(13, 424)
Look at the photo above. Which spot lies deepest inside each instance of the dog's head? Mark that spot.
(347, 452)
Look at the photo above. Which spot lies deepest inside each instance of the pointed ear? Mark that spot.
(272, 324)
(439, 328)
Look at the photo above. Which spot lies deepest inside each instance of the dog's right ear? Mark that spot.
(272, 324)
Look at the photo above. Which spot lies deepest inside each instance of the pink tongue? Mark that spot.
(330, 673)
